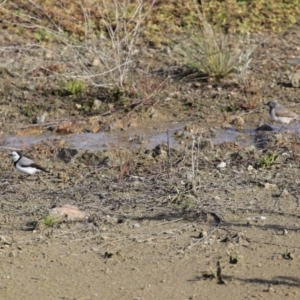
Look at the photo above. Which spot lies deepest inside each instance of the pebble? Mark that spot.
(285, 193)
(295, 79)
(221, 165)
(168, 232)
(96, 62)
(97, 104)
(203, 234)
(68, 212)
(270, 186)
(4, 240)
(257, 218)
(238, 121)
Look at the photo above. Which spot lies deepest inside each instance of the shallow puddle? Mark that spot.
(133, 138)
(148, 138)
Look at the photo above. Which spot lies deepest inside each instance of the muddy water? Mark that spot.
(145, 137)
(128, 139)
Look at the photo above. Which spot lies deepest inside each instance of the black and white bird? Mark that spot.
(25, 165)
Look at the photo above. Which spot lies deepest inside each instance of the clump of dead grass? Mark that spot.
(212, 54)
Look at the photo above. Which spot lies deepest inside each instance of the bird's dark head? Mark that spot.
(271, 104)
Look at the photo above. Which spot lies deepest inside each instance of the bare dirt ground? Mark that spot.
(164, 223)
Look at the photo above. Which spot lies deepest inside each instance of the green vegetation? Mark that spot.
(232, 108)
(43, 35)
(49, 221)
(29, 110)
(74, 87)
(267, 161)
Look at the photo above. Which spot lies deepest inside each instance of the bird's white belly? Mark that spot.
(284, 120)
(27, 170)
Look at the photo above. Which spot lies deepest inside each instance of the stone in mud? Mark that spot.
(295, 79)
(237, 121)
(65, 128)
(221, 165)
(96, 62)
(270, 186)
(96, 104)
(205, 144)
(93, 158)
(160, 151)
(5, 240)
(68, 212)
(67, 154)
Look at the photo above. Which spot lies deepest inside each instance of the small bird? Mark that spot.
(280, 113)
(25, 165)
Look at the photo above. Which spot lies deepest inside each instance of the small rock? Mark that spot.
(153, 113)
(284, 193)
(168, 232)
(67, 127)
(189, 177)
(96, 62)
(270, 186)
(250, 148)
(63, 176)
(48, 54)
(257, 218)
(202, 234)
(221, 165)
(238, 121)
(295, 79)
(4, 240)
(136, 225)
(95, 129)
(40, 119)
(250, 168)
(205, 144)
(68, 212)
(97, 104)
(12, 254)
(181, 134)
